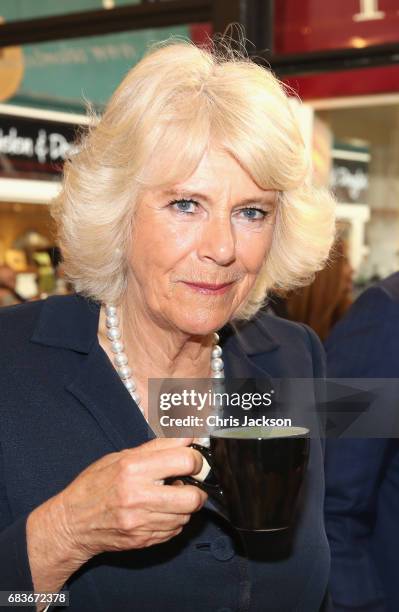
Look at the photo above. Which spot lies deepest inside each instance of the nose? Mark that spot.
(217, 241)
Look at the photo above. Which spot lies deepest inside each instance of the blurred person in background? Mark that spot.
(362, 475)
(324, 302)
(8, 293)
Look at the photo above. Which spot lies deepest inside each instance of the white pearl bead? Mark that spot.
(216, 352)
(117, 346)
(125, 372)
(217, 364)
(218, 374)
(112, 321)
(110, 310)
(216, 338)
(113, 333)
(129, 384)
(121, 359)
(135, 397)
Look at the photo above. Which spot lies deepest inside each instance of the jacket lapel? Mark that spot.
(99, 390)
(241, 342)
(71, 322)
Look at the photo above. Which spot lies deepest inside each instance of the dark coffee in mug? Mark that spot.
(257, 474)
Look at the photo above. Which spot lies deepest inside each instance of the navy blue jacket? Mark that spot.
(63, 407)
(362, 475)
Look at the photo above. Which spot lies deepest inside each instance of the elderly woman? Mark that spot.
(187, 202)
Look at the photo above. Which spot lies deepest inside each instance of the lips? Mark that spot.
(209, 285)
(209, 288)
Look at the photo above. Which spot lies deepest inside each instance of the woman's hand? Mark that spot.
(117, 503)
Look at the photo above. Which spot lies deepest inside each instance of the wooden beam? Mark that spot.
(94, 23)
(332, 60)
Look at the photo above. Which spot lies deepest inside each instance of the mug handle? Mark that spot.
(213, 490)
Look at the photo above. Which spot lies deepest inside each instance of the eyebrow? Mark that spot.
(189, 194)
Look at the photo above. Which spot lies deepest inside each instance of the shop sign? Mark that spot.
(316, 25)
(349, 176)
(65, 74)
(349, 181)
(32, 148)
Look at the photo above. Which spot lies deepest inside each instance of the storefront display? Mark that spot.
(349, 116)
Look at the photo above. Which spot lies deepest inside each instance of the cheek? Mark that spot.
(180, 239)
(253, 247)
(159, 248)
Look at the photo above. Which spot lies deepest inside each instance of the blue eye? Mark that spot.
(254, 214)
(184, 206)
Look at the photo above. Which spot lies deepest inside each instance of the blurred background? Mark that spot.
(341, 57)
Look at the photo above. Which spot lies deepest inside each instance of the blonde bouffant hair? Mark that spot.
(169, 108)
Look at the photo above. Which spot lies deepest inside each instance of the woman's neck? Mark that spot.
(155, 350)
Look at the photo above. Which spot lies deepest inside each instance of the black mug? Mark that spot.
(257, 473)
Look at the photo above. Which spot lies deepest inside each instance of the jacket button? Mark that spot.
(222, 550)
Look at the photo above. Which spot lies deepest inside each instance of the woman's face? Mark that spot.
(199, 246)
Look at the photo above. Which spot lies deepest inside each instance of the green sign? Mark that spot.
(62, 75)
(13, 10)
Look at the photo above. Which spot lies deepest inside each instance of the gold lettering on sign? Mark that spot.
(368, 11)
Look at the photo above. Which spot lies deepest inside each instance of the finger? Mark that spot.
(151, 446)
(177, 483)
(170, 462)
(146, 538)
(166, 521)
(163, 444)
(153, 521)
(159, 537)
(176, 499)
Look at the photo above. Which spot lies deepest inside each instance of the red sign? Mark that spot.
(303, 26)
(315, 25)
(365, 81)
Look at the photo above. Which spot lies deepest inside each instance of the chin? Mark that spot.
(201, 325)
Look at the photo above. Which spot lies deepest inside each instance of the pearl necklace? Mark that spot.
(121, 361)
